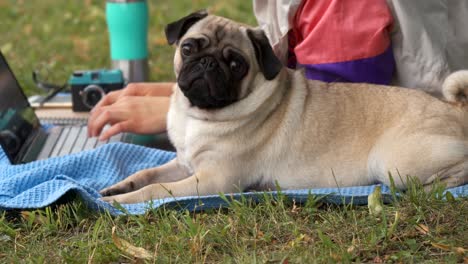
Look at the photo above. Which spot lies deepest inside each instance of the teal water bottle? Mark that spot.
(127, 22)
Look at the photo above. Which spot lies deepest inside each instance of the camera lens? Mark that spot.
(91, 95)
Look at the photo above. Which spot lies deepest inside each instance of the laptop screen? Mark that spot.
(17, 117)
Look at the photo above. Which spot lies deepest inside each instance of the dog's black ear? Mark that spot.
(270, 65)
(175, 30)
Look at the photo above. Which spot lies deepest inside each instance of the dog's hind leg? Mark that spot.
(428, 158)
(454, 175)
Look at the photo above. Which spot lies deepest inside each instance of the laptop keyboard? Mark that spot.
(63, 140)
(61, 121)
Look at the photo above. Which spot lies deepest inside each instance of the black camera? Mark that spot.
(89, 87)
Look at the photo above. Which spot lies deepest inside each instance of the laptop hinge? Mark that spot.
(33, 146)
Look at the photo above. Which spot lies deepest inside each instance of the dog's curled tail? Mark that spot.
(455, 87)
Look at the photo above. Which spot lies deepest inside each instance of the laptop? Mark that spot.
(23, 137)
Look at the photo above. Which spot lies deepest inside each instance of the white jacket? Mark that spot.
(429, 38)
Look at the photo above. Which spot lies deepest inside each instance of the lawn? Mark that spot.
(58, 37)
(61, 36)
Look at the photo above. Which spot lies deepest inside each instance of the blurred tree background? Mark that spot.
(58, 37)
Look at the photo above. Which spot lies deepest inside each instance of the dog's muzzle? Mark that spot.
(206, 84)
(208, 63)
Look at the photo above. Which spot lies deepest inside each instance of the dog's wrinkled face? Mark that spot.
(212, 67)
(215, 58)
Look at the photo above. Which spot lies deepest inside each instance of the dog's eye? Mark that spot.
(235, 66)
(187, 49)
(235, 63)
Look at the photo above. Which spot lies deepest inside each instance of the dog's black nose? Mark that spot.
(208, 63)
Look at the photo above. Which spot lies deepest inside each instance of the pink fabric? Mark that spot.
(342, 30)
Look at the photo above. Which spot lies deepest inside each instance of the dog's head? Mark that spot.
(217, 59)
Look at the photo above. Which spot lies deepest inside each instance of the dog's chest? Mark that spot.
(195, 142)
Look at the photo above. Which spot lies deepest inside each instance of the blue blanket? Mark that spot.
(41, 183)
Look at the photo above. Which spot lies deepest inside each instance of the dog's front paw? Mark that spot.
(109, 199)
(118, 188)
(112, 190)
(114, 198)
(126, 198)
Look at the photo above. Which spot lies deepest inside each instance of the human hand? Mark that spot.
(137, 114)
(136, 89)
(139, 108)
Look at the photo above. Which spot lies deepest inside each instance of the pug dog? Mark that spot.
(241, 121)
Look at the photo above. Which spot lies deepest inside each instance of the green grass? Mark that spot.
(59, 37)
(63, 36)
(419, 227)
